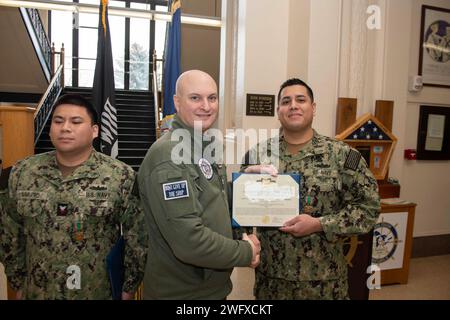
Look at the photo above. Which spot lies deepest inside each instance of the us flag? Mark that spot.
(368, 131)
(103, 87)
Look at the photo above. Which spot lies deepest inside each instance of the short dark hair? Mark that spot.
(296, 82)
(77, 100)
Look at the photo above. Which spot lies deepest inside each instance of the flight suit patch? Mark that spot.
(176, 190)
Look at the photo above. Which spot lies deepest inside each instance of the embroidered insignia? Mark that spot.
(175, 190)
(352, 160)
(62, 209)
(206, 168)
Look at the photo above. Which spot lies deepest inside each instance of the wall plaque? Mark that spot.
(260, 105)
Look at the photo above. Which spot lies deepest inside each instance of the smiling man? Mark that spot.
(191, 253)
(305, 259)
(67, 209)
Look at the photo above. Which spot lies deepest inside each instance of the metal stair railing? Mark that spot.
(46, 103)
(39, 38)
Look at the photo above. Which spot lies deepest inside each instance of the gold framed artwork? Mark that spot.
(434, 54)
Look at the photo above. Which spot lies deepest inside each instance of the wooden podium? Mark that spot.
(17, 125)
(400, 246)
(17, 138)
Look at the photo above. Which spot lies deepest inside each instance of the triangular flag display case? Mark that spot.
(373, 140)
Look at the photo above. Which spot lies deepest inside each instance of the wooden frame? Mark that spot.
(380, 150)
(433, 136)
(434, 57)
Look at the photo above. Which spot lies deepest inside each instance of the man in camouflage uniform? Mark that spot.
(192, 252)
(67, 209)
(4, 199)
(304, 259)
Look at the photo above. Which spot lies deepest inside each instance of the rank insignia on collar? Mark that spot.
(62, 209)
(206, 168)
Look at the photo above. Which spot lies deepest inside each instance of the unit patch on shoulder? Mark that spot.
(176, 190)
(352, 160)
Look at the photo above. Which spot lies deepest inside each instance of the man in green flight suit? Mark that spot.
(191, 253)
(304, 259)
(67, 209)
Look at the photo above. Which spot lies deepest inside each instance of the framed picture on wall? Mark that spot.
(433, 136)
(434, 56)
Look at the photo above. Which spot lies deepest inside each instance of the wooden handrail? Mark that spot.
(61, 59)
(157, 99)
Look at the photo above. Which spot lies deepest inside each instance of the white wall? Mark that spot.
(266, 48)
(425, 182)
(323, 61)
(298, 42)
(260, 54)
(200, 45)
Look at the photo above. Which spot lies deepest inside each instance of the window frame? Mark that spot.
(75, 44)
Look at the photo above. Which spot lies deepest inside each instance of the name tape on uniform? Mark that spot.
(176, 190)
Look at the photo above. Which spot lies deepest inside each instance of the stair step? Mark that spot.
(136, 99)
(135, 112)
(131, 160)
(85, 90)
(137, 137)
(128, 144)
(143, 131)
(136, 124)
(140, 107)
(137, 118)
(120, 97)
(132, 152)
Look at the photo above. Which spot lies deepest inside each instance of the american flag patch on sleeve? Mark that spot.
(352, 160)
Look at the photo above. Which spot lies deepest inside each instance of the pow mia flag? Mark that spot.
(103, 87)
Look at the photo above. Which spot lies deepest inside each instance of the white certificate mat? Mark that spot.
(260, 200)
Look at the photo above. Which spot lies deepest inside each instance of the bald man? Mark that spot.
(191, 251)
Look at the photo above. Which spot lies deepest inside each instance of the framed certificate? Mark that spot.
(260, 200)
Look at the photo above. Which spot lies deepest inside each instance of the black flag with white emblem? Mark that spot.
(103, 87)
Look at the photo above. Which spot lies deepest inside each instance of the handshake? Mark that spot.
(256, 248)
